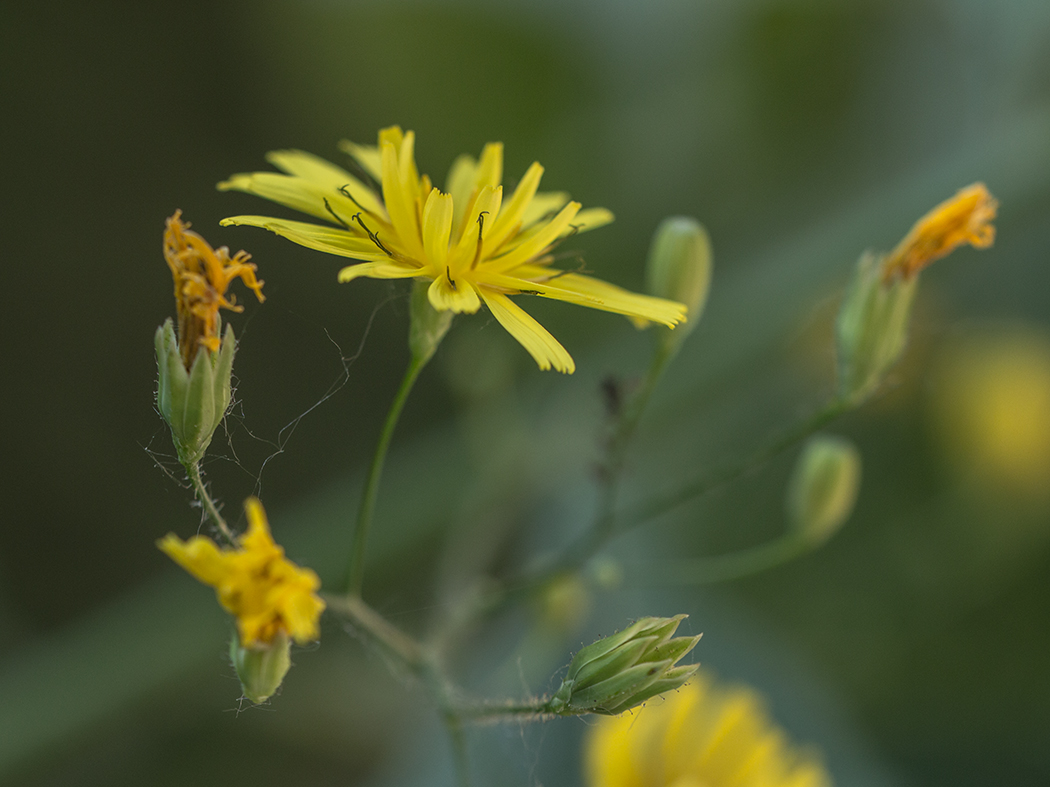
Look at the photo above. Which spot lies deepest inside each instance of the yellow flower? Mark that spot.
(202, 275)
(268, 594)
(991, 410)
(471, 244)
(965, 218)
(701, 736)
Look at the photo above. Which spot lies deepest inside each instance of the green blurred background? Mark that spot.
(912, 649)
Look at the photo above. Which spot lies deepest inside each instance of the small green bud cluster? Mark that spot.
(679, 269)
(872, 327)
(261, 668)
(619, 672)
(193, 402)
(823, 488)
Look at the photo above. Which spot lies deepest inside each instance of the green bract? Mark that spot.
(619, 672)
(872, 327)
(193, 403)
(261, 669)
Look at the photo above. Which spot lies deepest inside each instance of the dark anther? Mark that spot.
(529, 292)
(481, 228)
(371, 235)
(334, 214)
(345, 191)
(448, 275)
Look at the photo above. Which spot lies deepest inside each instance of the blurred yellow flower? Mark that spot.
(703, 735)
(473, 247)
(965, 218)
(202, 275)
(268, 594)
(991, 409)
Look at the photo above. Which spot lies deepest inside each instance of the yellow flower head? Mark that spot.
(267, 593)
(965, 218)
(703, 735)
(202, 275)
(474, 246)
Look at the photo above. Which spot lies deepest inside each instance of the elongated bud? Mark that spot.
(679, 269)
(426, 326)
(193, 402)
(823, 488)
(872, 327)
(619, 672)
(261, 668)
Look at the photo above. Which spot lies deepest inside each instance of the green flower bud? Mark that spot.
(426, 325)
(619, 672)
(823, 488)
(261, 668)
(679, 269)
(193, 403)
(872, 327)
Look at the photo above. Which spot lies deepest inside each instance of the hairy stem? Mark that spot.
(194, 472)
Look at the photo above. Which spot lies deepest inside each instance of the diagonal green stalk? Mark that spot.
(356, 571)
(194, 472)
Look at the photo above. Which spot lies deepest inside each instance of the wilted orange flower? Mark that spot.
(202, 275)
(965, 218)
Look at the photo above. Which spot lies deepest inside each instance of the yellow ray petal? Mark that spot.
(460, 184)
(543, 347)
(589, 219)
(542, 204)
(537, 242)
(490, 166)
(328, 176)
(400, 204)
(510, 216)
(377, 270)
(313, 236)
(293, 192)
(465, 253)
(460, 297)
(368, 156)
(437, 224)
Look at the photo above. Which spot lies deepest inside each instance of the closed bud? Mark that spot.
(872, 327)
(679, 269)
(619, 672)
(262, 667)
(426, 325)
(193, 402)
(823, 488)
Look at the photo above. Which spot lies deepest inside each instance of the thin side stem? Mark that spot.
(614, 524)
(623, 433)
(722, 568)
(356, 571)
(194, 472)
(707, 482)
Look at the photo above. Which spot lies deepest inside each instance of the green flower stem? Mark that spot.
(356, 570)
(424, 664)
(194, 472)
(623, 433)
(722, 568)
(610, 524)
(709, 481)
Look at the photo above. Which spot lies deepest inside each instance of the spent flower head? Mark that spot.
(202, 275)
(270, 596)
(965, 218)
(703, 734)
(473, 246)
